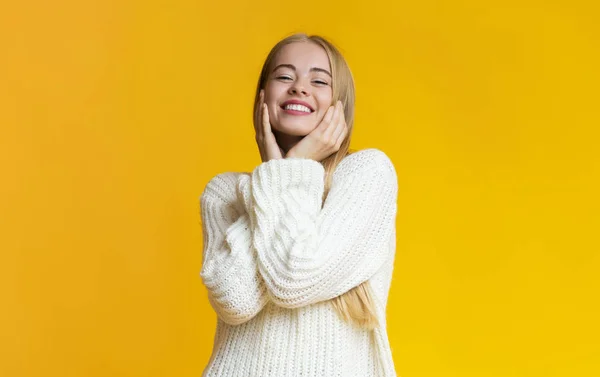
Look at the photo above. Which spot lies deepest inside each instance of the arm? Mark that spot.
(229, 271)
(307, 253)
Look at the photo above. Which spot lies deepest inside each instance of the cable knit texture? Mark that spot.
(274, 256)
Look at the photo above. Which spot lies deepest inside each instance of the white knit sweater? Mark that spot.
(273, 256)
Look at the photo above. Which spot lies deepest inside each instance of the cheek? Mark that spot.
(324, 102)
(271, 99)
(274, 90)
(324, 97)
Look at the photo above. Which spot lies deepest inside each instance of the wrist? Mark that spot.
(291, 154)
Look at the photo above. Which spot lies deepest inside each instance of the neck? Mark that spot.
(285, 141)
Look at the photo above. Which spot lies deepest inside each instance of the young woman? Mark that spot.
(298, 254)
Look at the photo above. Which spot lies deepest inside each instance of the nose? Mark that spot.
(298, 88)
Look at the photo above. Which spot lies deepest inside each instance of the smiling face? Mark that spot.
(298, 89)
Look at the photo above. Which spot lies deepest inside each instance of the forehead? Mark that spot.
(303, 55)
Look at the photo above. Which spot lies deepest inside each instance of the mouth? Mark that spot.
(296, 107)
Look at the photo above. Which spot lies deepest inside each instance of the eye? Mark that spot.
(283, 78)
(320, 82)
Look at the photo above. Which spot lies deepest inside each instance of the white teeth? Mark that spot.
(297, 108)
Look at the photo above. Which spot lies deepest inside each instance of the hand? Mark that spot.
(267, 144)
(324, 140)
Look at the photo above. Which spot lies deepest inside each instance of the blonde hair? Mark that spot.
(356, 306)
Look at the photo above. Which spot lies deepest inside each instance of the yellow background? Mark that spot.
(115, 114)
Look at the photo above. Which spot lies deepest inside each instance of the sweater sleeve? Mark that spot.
(308, 252)
(229, 268)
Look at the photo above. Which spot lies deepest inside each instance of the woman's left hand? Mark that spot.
(324, 140)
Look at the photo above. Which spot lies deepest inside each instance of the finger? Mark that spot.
(335, 119)
(339, 109)
(265, 121)
(328, 117)
(328, 120)
(340, 133)
(341, 118)
(259, 110)
(339, 125)
(341, 137)
(271, 148)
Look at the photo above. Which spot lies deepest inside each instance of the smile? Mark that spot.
(296, 109)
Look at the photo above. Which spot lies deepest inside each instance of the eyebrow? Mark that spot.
(292, 67)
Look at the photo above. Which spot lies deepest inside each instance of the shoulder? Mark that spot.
(366, 161)
(222, 187)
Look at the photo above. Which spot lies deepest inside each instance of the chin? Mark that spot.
(295, 129)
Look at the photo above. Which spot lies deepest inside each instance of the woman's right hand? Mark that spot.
(267, 144)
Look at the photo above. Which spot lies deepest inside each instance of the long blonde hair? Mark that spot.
(356, 306)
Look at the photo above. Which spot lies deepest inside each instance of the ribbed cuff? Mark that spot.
(274, 176)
